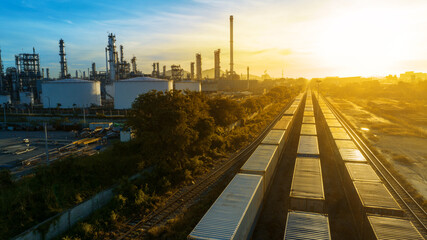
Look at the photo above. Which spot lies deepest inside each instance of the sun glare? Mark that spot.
(365, 40)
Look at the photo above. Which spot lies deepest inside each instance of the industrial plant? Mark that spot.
(27, 84)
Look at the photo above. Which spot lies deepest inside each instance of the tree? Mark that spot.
(173, 129)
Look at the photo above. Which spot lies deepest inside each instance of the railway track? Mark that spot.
(413, 210)
(136, 227)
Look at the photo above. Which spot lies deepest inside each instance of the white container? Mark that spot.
(263, 161)
(126, 91)
(361, 172)
(283, 123)
(376, 199)
(381, 227)
(305, 225)
(351, 155)
(233, 215)
(307, 192)
(5, 99)
(308, 146)
(70, 93)
(188, 85)
(26, 98)
(308, 129)
(276, 137)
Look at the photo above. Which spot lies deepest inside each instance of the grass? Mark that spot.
(401, 159)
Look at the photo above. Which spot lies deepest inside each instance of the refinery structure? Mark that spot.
(27, 83)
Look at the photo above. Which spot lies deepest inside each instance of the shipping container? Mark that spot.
(308, 146)
(283, 123)
(333, 123)
(380, 227)
(376, 199)
(308, 129)
(361, 172)
(305, 225)
(276, 137)
(340, 136)
(308, 114)
(351, 155)
(337, 130)
(329, 116)
(349, 144)
(263, 161)
(308, 120)
(307, 186)
(290, 111)
(233, 215)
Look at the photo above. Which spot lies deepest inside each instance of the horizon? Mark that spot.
(302, 38)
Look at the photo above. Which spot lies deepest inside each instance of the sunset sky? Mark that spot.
(305, 38)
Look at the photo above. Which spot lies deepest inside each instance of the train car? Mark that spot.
(275, 137)
(234, 213)
(339, 133)
(308, 120)
(361, 172)
(333, 123)
(283, 123)
(306, 225)
(291, 111)
(329, 116)
(376, 199)
(263, 162)
(349, 144)
(308, 129)
(308, 146)
(380, 227)
(308, 114)
(351, 155)
(307, 192)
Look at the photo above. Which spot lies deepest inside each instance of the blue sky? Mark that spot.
(304, 37)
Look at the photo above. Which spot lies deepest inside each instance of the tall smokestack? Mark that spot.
(94, 71)
(63, 61)
(121, 54)
(158, 70)
(198, 66)
(231, 48)
(112, 56)
(164, 71)
(192, 71)
(47, 73)
(217, 64)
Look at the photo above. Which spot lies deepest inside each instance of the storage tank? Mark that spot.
(126, 91)
(26, 98)
(188, 85)
(71, 93)
(5, 99)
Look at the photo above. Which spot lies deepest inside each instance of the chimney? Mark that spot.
(63, 60)
(198, 66)
(231, 48)
(217, 64)
(192, 71)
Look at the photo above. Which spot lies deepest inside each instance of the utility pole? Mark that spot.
(47, 149)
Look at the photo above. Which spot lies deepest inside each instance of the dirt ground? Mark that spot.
(399, 140)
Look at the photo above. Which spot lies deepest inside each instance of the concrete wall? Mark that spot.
(63, 222)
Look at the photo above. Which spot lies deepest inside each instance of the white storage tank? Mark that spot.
(126, 91)
(70, 93)
(26, 98)
(5, 99)
(188, 85)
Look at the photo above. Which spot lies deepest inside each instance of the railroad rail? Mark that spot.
(135, 227)
(415, 212)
